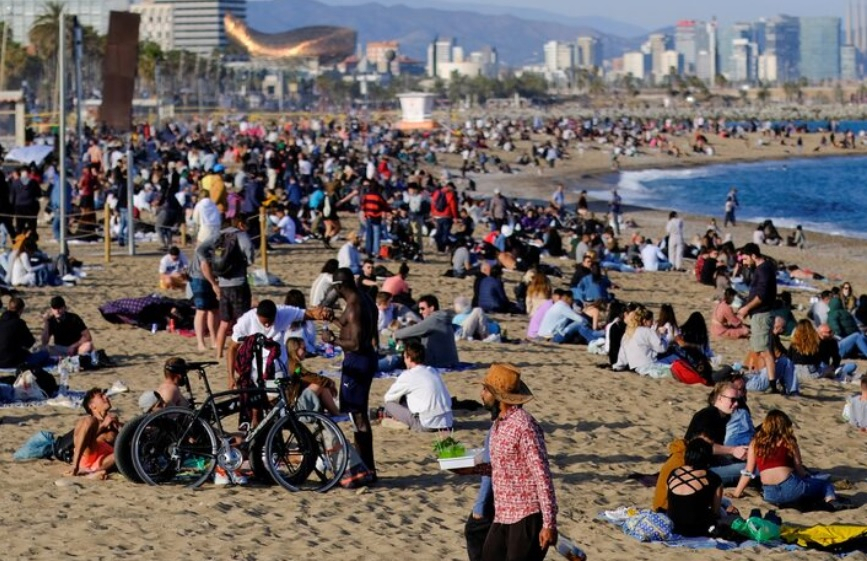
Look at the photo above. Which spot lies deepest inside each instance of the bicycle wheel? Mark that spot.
(332, 451)
(174, 447)
(123, 449)
(290, 452)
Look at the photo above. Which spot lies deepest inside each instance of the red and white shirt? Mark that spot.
(519, 470)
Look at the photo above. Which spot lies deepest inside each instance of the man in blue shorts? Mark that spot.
(356, 336)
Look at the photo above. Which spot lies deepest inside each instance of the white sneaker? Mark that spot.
(222, 478)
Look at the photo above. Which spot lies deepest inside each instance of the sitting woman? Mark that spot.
(539, 290)
(594, 286)
(641, 347)
(323, 388)
(725, 323)
(774, 452)
(727, 461)
(695, 492)
(304, 329)
(666, 324)
(812, 355)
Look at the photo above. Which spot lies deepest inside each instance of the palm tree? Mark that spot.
(149, 55)
(43, 36)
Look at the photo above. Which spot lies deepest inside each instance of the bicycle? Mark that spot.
(298, 449)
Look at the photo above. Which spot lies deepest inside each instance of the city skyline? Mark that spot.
(640, 13)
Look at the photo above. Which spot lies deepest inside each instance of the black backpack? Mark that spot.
(229, 260)
(440, 201)
(64, 447)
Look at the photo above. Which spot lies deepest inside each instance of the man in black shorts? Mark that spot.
(232, 290)
(356, 336)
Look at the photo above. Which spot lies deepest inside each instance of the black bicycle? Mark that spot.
(297, 449)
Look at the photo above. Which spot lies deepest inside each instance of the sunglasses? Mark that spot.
(730, 398)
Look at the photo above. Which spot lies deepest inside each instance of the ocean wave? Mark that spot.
(637, 182)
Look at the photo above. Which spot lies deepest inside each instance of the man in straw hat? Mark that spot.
(524, 501)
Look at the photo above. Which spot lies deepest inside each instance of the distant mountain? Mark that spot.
(518, 40)
(601, 24)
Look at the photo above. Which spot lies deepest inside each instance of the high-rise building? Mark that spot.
(559, 56)
(849, 63)
(587, 52)
(439, 52)
(157, 23)
(783, 42)
(198, 24)
(820, 48)
(637, 64)
(672, 62)
(657, 44)
(690, 37)
(21, 14)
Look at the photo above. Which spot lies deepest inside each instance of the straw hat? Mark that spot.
(503, 380)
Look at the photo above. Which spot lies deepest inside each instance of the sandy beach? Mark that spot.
(600, 426)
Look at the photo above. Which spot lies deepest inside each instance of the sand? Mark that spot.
(599, 426)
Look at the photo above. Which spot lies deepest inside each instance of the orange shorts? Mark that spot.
(91, 460)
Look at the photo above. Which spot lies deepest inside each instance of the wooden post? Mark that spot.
(184, 233)
(107, 226)
(263, 237)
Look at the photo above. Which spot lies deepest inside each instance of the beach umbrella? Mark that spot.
(34, 154)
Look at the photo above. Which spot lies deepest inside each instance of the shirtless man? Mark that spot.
(356, 338)
(94, 437)
(170, 391)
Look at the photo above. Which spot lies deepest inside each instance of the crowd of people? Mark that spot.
(216, 179)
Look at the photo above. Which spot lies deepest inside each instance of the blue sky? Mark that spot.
(650, 14)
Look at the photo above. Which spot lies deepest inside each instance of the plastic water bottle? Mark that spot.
(153, 328)
(569, 550)
(64, 378)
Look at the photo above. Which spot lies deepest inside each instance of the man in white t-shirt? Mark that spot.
(419, 397)
(207, 218)
(652, 258)
(173, 270)
(284, 231)
(273, 322)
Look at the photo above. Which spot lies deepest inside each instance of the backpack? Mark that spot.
(64, 447)
(440, 202)
(229, 260)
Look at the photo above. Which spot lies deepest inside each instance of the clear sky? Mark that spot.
(651, 14)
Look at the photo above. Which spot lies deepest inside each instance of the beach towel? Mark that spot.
(150, 312)
(71, 399)
(834, 538)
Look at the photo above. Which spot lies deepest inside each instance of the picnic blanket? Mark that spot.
(619, 517)
(72, 399)
(149, 312)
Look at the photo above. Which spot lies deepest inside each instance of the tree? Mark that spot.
(43, 37)
(149, 55)
(763, 94)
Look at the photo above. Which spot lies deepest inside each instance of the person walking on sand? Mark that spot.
(759, 306)
(730, 206)
(615, 206)
(525, 508)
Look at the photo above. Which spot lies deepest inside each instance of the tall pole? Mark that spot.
(130, 173)
(3, 51)
(78, 38)
(61, 127)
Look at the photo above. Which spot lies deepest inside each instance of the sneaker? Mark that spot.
(222, 477)
(116, 388)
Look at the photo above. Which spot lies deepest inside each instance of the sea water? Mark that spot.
(827, 195)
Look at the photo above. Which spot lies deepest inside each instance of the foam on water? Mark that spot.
(821, 194)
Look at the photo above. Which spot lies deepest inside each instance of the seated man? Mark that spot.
(71, 335)
(284, 231)
(173, 270)
(419, 397)
(652, 257)
(492, 293)
(436, 333)
(857, 406)
(348, 255)
(94, 437)
(562, 324)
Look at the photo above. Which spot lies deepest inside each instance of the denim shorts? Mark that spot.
(204, 297)
(798, 490)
